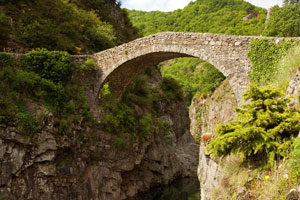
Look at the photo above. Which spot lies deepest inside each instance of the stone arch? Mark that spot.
(120, 65)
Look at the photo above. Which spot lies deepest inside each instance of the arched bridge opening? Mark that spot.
(120, 65)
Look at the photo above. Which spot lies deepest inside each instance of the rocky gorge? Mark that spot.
(207, 112)
(84, 164)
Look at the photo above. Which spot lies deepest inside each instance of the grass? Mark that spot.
(287, 68)
(261, 184)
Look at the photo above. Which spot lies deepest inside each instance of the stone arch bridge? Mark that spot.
(121, 64)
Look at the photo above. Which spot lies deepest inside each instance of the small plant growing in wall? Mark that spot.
(105, 91)
(88, 66)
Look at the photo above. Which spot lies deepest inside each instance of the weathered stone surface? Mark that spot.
(120, 65)
(294, 90)
(53, 166)
(294, 194)
(250, 16)
(205, 114)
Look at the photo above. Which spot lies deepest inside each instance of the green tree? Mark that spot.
(52, 65)
(263, 130)
(214, 16)
(284, 22)
(290, 1)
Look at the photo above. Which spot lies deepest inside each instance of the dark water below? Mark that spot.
(180, 189)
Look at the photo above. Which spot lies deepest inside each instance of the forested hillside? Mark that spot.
(235, 17)
(215, 16)
(77, 26)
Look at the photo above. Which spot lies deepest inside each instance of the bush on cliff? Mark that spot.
(263, 130)
(284, 21)
(19, 89)
(4, 29)
(6, 60)
(52, 65)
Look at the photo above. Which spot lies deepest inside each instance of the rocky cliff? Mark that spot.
(205, 114)
(294, 90)
(84, 164)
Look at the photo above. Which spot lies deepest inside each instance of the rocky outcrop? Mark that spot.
(205, 114)
(84, 164)
(250, 16)
(294, 90)
(294, 194)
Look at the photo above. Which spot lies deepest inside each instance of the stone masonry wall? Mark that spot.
(120, 65)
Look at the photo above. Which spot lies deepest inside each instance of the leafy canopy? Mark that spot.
(214, 16)
(194, 75)
(52, 65)
(262, 131)
(284, 22)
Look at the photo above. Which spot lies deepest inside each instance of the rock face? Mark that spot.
(205, 114)
(85, 165)
(294, 89)
(250, 16)
(294, 194)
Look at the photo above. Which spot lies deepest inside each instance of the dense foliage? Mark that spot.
(20, 88)
(52, 65)
(4, 30)
(284, 22)
(75, 26)
(262, 131)
(6, 60)
(264, 55)
(137, 114)
(194, 75)
(295, 162)
(214, 16)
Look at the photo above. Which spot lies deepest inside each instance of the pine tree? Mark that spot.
(263, 130)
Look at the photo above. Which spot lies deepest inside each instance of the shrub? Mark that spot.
(88, 66)
(145, 126)
(4, 29)
(119, 143)
(262, 130)
(52, 65)
(120, 120)
(40, 89)
(137, 93)
(6, 60)
(9, 105)
(284, 21)
(171, 88)
(105, 91)
(295, 162)
(194, 75)
(27, 123)
(165, 129)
